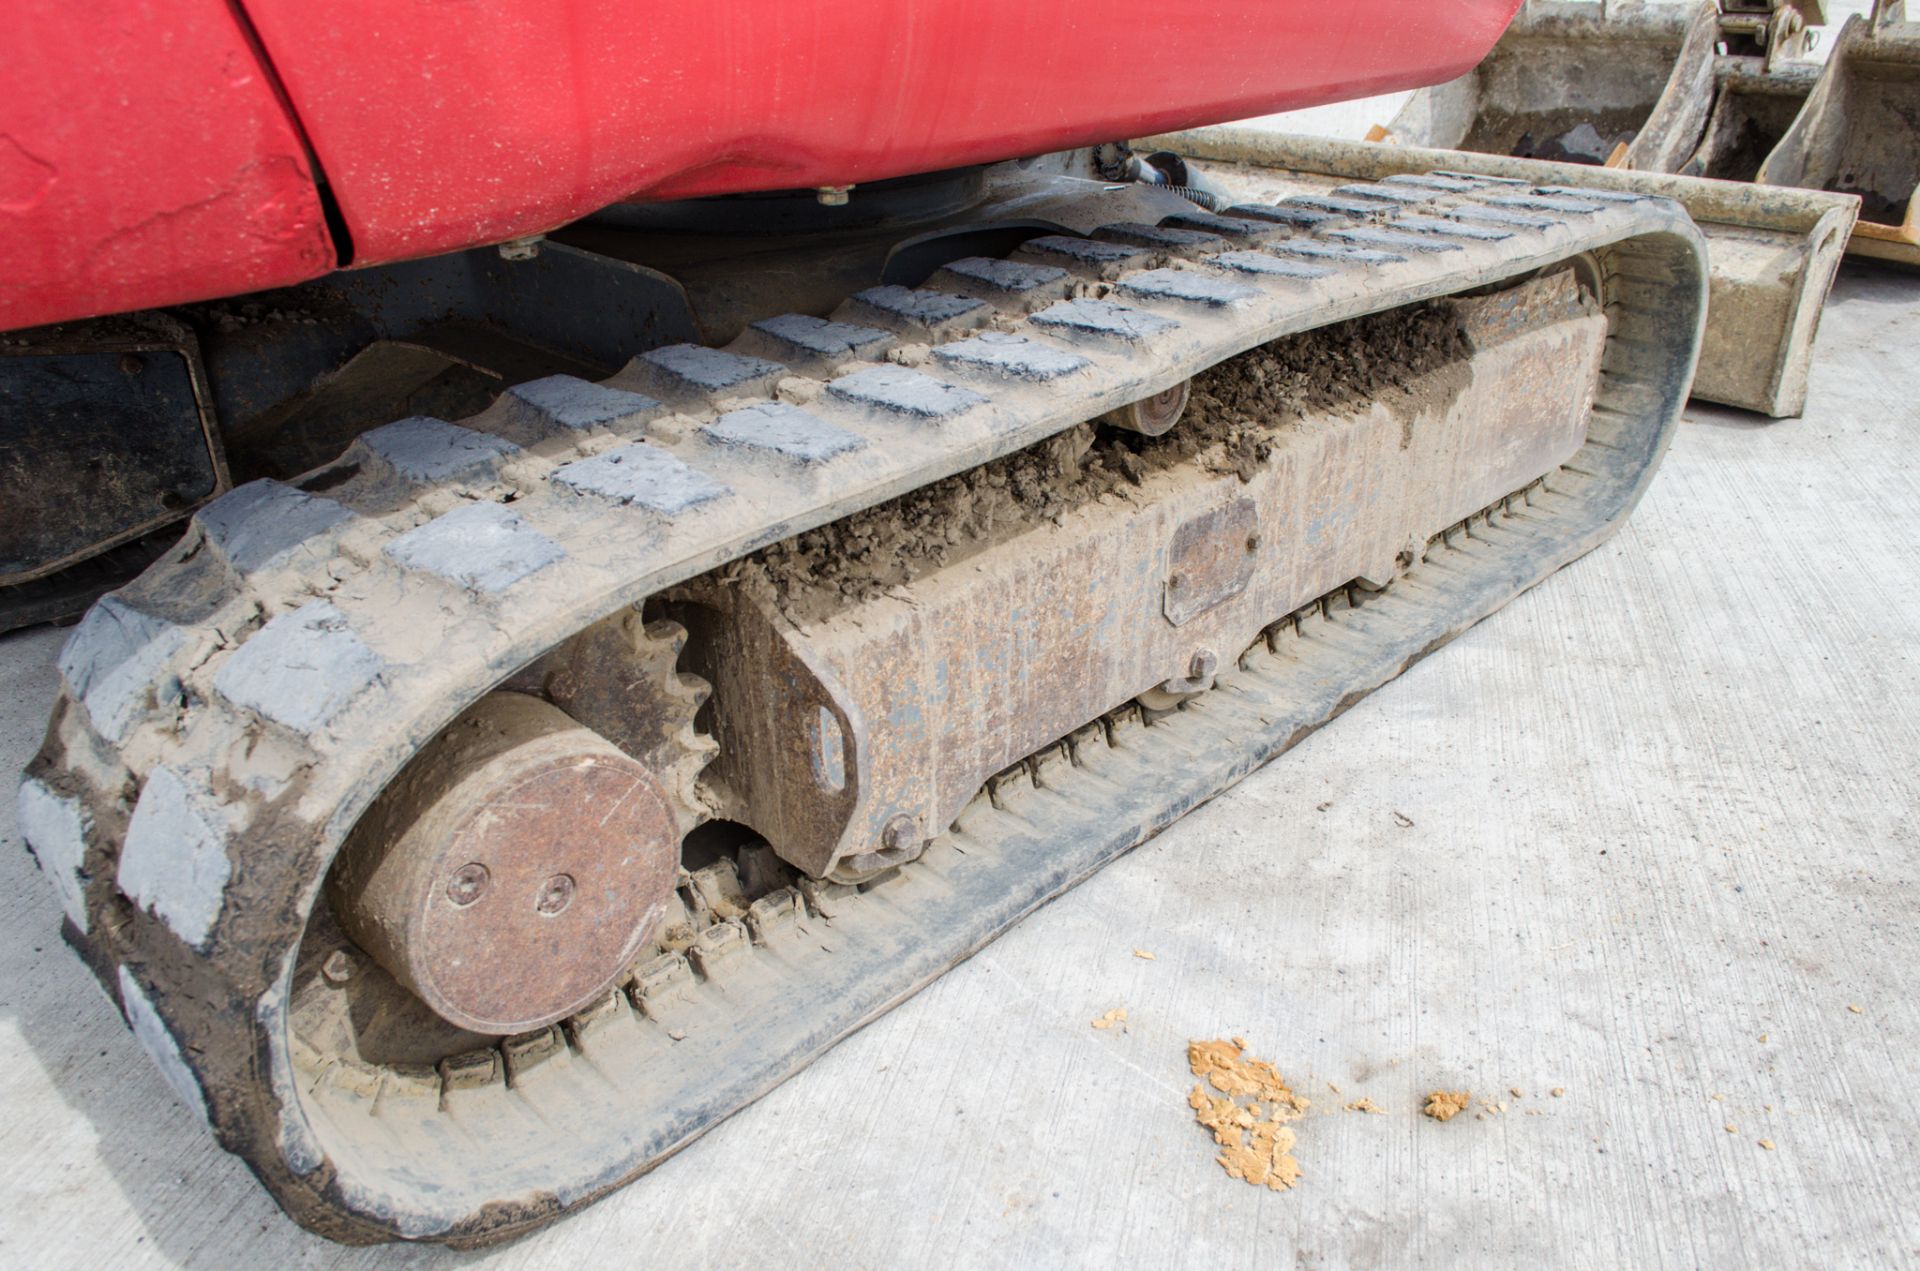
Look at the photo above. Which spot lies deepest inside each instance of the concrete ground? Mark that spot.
(1635, 859)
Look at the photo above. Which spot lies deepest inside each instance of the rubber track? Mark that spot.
(226, 718)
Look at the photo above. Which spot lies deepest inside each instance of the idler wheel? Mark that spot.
(514, 871)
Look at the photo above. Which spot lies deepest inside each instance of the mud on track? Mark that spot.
(1235, 410)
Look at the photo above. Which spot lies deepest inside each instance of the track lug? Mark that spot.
(1051, 765)
(659, 981)
(407, 1084)
(470, 1070)
(774, 916)
(828, 899)
(718, 887)
(714, 953)
(526, 1052)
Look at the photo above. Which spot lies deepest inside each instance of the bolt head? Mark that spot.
(468, 884)
(833, 195)
(1204, 663)
(901, 833)
(338, 968)
(555, 895)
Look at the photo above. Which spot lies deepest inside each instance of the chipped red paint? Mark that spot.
(144, 159)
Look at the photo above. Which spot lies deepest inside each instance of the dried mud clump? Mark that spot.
(1255, 1140)
(1339, 369)
(1236, 410)
(1445, 1105)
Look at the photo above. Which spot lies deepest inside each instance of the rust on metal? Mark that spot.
(1211, 560)
(516, 872)
(793, 765)
(936, 685)
(620, 678)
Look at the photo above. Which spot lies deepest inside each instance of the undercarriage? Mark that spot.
(469, 823)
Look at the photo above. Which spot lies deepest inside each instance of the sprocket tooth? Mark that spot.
(621, 678)
(687, 751)
(692, 689)
(682, 776)
(668, 633)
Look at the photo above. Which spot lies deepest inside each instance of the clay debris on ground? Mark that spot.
(1235, 411)
(1256, 1143)
(1445, 1105)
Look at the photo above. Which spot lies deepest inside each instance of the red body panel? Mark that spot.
(144, 160)
(446, 124)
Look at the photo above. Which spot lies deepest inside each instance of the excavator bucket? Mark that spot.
(1753, 107)
(1721, 91)
(1692, 104)
(1772, 251)
(1579, 83)
(1856, 133)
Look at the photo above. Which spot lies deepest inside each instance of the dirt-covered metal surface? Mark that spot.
(1134, 567)
(1227, 428)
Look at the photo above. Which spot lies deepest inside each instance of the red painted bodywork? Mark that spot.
(444, 124)
(145, 159)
